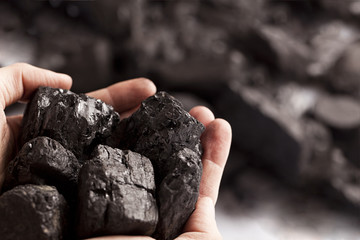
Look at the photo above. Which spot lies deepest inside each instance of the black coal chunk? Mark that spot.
(32, 212)
(339, 112)
(116, 194)
(178, 193)
(274, 134)
(170, 137)
(160, 128)
(44, 161)
(276, 49)
(78, 122)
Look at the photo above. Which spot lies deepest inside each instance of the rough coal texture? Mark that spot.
(78, 122)
(178, 193)
(33, 212)
(116, 194)
(160, 130)
(44, 161)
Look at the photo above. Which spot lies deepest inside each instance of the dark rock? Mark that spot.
(342, 9)
(274, 135)
(277, 49)
(78, 122)
(314, 167)
(170, 137)
(178, 193)
(328, 44)
(294, 99)
(345, 74)
(116, 194)
(261, 129)
(32, 212)
(339, 112)
(160, 128)
(349, 142)
(344, 180)
(44, 161)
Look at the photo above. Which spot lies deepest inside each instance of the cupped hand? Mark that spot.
(216, 142)
(19, 81)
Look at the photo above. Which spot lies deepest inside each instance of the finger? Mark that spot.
(216, 142)
(201, 224)
(126, 95)
(122, 238)
(19, 80)
(14, 123)
(202, 114)
(128, 113)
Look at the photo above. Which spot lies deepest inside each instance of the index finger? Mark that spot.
(216, 141)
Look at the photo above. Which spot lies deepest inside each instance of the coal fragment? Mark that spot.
(344, 180)
(338, 112)
(44, 161)
(328, 44)
(178, 193)
(277, 49)
(78, 122)
(116, 194)
(276, 135)
(344, 75)
(32, 212)
(161, 130)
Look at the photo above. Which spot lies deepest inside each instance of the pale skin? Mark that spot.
(19, 81)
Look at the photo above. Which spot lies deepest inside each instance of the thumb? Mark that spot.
(201, 224)
(203, 218)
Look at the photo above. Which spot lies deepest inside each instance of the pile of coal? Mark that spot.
(165, 133)
(138, 176)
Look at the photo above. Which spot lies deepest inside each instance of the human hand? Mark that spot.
(18, 81)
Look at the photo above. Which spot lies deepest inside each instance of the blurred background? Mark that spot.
(285, 74)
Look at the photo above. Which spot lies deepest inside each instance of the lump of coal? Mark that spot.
(275, 135)
(44, 161)
(160, 128)
(277, 49)
(328, 44)
(343, 181)
(78, 122)
(178, 193)
(116, 194)
(32, 212)
(338, 112)
(170, 137)
(344, 75)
